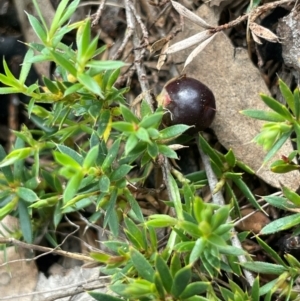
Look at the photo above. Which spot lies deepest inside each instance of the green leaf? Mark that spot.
(170, 133)
(15, 156)
(91, 157)
(114, 75)
(181, 280)
(272, 253)
(18, 167)
(71, 153)
(111, 155)
(7, 172)
(287, 94)
(120, 172)
(134, 231)
(60, 60)
(280, 224)
(264, 267)
(220, 217)
(159, 286)
(208, 150)
(291, 195)
(297, 130)
(25, 221)
(105, 65)
(72, 187)
(134, 205)
(195, 288)
(190, 228)
(145, 109)
(9, 207)
(26, 194)
(175, 196)
(277, 107)
(104, 183)
(151, 120)
(123, 126)
(255, 290)
(142, 265)
(244, 189)
(230, 158)
(279, 202)
(38, 28)
(152, 150)
(7, 90)
(230, 250)
(103, 297)
(164, 273)
(175, 264)
(128, 115)
(131, 143)
(62, 15)
(198, 249)
(143, 135)
(66, 160)
(26, 66)
(281, 166)
(264, 115)
(83, 38)
(51, 86)
(167, 151)
(113, 222)
(104, 122)
(276, 147)
(184, 246)
(90, 84)
(161, 221)
(297, 103)
(110, 210)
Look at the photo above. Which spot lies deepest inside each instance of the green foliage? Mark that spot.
(82, 154)
(281, 122)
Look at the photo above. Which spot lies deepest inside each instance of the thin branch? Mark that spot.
(142, 25)
(18, 243)
(219, 200)
(98, 13)
(138, 55)
(128, 32)
(252, 15)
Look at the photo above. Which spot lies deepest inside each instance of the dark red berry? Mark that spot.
(188, 101)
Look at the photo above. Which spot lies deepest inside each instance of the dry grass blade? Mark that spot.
(263, 33)
(183, 11)
(158, 45)
(197, 50)
(162, 57)
(256, 38)
(191, 41)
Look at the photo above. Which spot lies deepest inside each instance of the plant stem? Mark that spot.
(219, 200)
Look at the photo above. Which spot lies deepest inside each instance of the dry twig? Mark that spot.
(97, 15)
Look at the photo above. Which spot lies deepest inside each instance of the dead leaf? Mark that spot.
(158, 45)
(183, 11)
(197, 50)
(162, 57)
(189, 42)
(263, 32)
(236, 84)
(256, 38)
